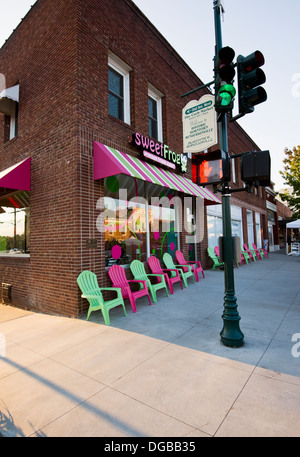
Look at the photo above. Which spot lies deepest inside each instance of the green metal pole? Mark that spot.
(231, 334)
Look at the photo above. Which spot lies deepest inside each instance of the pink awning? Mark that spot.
(17, 177)
(110, 162)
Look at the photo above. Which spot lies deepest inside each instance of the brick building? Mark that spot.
(79, 86)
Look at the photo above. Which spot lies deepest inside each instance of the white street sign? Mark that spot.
(199, 124)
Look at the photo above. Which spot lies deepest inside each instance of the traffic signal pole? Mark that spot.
(231, 334)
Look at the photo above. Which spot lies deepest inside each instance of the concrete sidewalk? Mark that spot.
(163, 371)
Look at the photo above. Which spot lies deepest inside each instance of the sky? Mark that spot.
(271, 27)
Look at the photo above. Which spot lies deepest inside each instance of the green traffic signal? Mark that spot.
(224, 74)
(226, 93)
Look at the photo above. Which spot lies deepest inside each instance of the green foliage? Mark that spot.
(291, 175)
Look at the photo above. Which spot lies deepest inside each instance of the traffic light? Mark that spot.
(250, 77)
(256, 168)
(211, 168)
(224, 74)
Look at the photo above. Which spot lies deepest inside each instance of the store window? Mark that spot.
(15, 224)
(250, 228)
(163, 233)
(155, 114)
(258, 230)
(214, 229)
(118, 89)
(271, 224)
(139, 221)
(215, 224)
(191, 230)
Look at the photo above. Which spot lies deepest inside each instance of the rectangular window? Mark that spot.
(140, 226)
(250, 228)
(15, 224)
(152, 108)
(118, 89)
(163, 234)
(258, 230)
(124, 220)
(11, 123)
(155, 113)
(115, 94)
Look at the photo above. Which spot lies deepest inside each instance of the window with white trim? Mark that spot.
(155, 113)
(118, 89)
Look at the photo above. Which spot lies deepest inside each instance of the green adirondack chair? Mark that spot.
(168, 261)
(88, 284)
(246, 256)
(138, 270)
(214, 258)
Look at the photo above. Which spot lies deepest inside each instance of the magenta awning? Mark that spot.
(110, 162)
(17, 177)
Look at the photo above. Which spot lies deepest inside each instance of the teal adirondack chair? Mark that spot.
(214, 258)
(88, 284)
(168, 261)
(138, 270)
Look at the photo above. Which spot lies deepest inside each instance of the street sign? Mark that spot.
(199, 125)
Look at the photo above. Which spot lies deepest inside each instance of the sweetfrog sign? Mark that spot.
(199, 124)
(159, 153)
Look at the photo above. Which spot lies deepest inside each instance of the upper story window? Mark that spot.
(118, 89)
(13, 122)
(155, 113)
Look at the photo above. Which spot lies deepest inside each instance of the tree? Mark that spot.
(291, 175)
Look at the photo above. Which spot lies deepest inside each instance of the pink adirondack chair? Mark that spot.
(257, 252)
(243, 261)
(249, 252)
(118, 278)
(195, 264)
(156, 268)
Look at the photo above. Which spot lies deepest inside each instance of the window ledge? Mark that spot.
(12, 140)
(14, 256)
(119, 121)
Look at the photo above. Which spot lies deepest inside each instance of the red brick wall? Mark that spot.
(283, 210)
